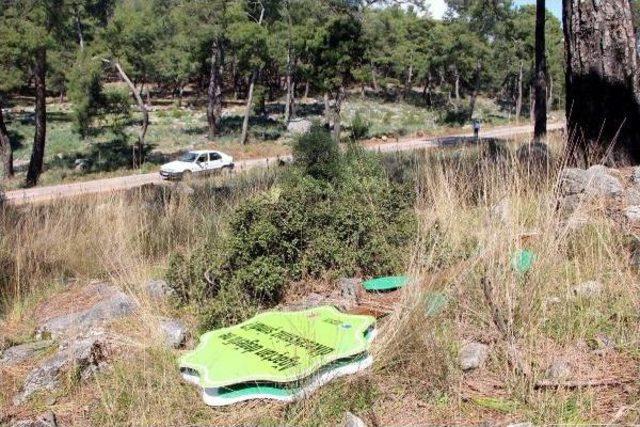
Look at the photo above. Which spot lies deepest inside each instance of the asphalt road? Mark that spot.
(43, 194)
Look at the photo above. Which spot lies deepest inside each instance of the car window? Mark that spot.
(188, 157)
(215, 156)
(203, 158)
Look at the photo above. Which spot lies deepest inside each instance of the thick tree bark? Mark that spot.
(476, 89)
(603, 102)
(138, 153)
(337, 110)
(39, 140)
(540, 79)
(247, 113)
(214, 92)
(520, 94)
(6, 153)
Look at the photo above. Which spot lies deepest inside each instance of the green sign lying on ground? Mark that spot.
(523, 261)
(386, 283)
(277, 347)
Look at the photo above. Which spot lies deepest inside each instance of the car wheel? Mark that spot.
(186, 175)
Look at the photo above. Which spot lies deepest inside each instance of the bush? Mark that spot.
(359, 127)
(318, 154)
(304, 227)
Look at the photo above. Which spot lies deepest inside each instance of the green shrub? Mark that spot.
(304, 227)
(318, 154)
(359, 127)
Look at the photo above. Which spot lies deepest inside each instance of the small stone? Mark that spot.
(502, 211)
(351, 420)
(590, 289)
(636, 175)
(349, 287)
(81, 165)
(632, 213)
(159, 289)
(473, 355)
(174, 333)
(19, 353)
(559, 369)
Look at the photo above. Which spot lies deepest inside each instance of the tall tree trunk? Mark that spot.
(408, 82)
(306, 89)
(214, 91)
(457, 85)
(540, 79)
(476, 89)
(247, 112)
(289, 78)
(550, 97)
(603, 97)
(76, 13)
(337, 110)
(327, 109)
(6, 153)
(374, 79)
(138, 154)
(520, 94)
(532, 104)
(40, 137)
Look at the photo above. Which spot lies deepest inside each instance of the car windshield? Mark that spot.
(189, 157)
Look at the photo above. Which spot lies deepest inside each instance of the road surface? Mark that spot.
(43, 194)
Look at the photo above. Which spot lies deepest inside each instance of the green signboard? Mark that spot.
(523, 261)
(382, 284)
(277, 347)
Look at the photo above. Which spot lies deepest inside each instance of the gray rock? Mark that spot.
(502, 211)
(174, 332)
(590, 289)
(351, 420)
(572, 181)
(46, 420)
(632, 196)
(632, 213)
(636, 175)
(112, 307)
(559, 370)
(19, 353)
(299, 126)
(349, 288)
(81, 165)
(159, 289)
(568, 204)
(473, 355)
(85, 355)
(601, 183)
(310, 301)
(520, 425)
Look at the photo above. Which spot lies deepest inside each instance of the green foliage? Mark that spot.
(310, 225)
(318, 154)
(359, 127)
(85, 92)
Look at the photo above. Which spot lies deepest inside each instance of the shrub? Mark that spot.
(318, 154)
(304, 227)
(359, 127)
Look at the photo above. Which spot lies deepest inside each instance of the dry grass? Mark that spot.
(473, 214)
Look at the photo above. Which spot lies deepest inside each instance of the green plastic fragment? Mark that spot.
(436, 302)
(523, 261)
(386, 283)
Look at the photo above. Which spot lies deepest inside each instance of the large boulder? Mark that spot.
(114, 304)
(159, 289)
(572, 182)
(84, 355)
(600, 182)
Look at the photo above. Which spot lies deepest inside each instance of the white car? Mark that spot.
(196, 162)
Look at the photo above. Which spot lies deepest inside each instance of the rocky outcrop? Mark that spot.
(114, 304)
(84, 355)
(19, 353)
